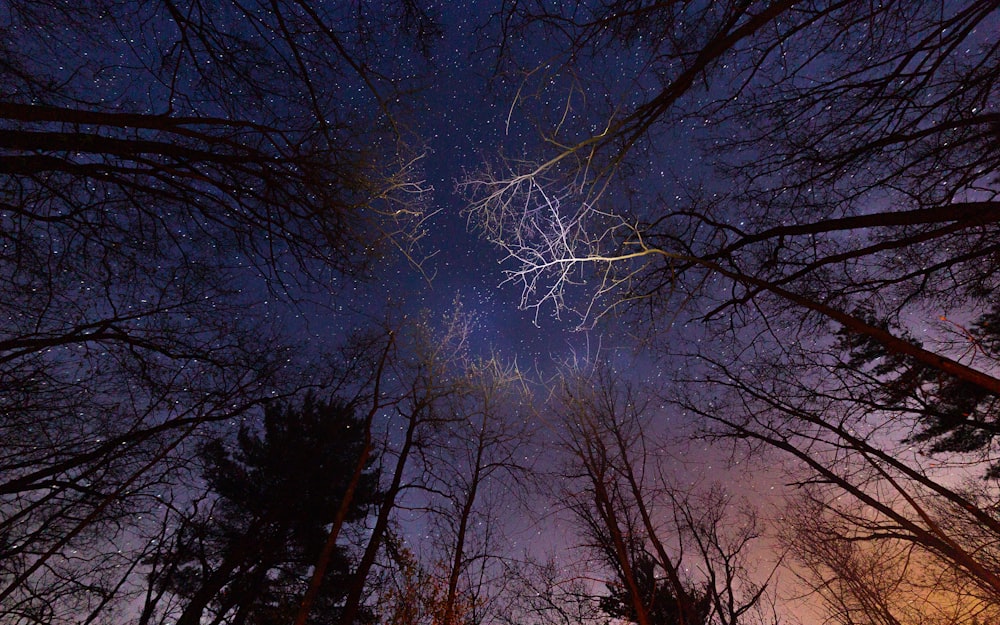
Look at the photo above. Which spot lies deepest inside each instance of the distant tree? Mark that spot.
(658, 594)
(551, 591)
(247, 557)
(677, 556)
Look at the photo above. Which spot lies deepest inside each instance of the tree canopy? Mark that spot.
(787, 210)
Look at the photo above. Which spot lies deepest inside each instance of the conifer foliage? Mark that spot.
(247, 557)
(664, 607)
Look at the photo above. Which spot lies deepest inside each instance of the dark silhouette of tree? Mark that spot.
(827, 259)
(857, 143)
(850, 457)
(247, 557)
(476, 470)
(552, 591)
(658, 594)
(422, 368)
(650, 533)
(952, 415)
(177, 179)
(889, 581)
(449, 452)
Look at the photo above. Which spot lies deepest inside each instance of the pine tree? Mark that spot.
(952, 414)
(277, 492)
(657, 596)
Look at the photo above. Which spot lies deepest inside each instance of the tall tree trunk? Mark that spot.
(323, 562)
(463, 528)
(353, 601)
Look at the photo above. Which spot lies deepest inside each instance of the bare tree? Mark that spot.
(426, 377)
(834, 248)
(888, 581)
(871, 502)
(176, 177)
(451, 455)
(677, 555)
(804, 227)
(476, 475)
(552, 591)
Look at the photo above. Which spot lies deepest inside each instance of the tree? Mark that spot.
(247, 556)
(833, 251)
(475, 474)
(664, 604)
(423, 367)
(177, 179)
(869, 490)
(552, 591)
(678, 556)
(795, 229)
(856, 580)
(951, 414)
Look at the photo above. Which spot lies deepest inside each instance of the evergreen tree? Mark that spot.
(249, 558)
(952, 414)
(657, 596)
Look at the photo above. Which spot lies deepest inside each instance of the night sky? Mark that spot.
(185, 215)
(469, 113)
(463, 117)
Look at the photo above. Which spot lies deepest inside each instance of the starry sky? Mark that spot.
(465, 112)
(470, 111)
(463, 117)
